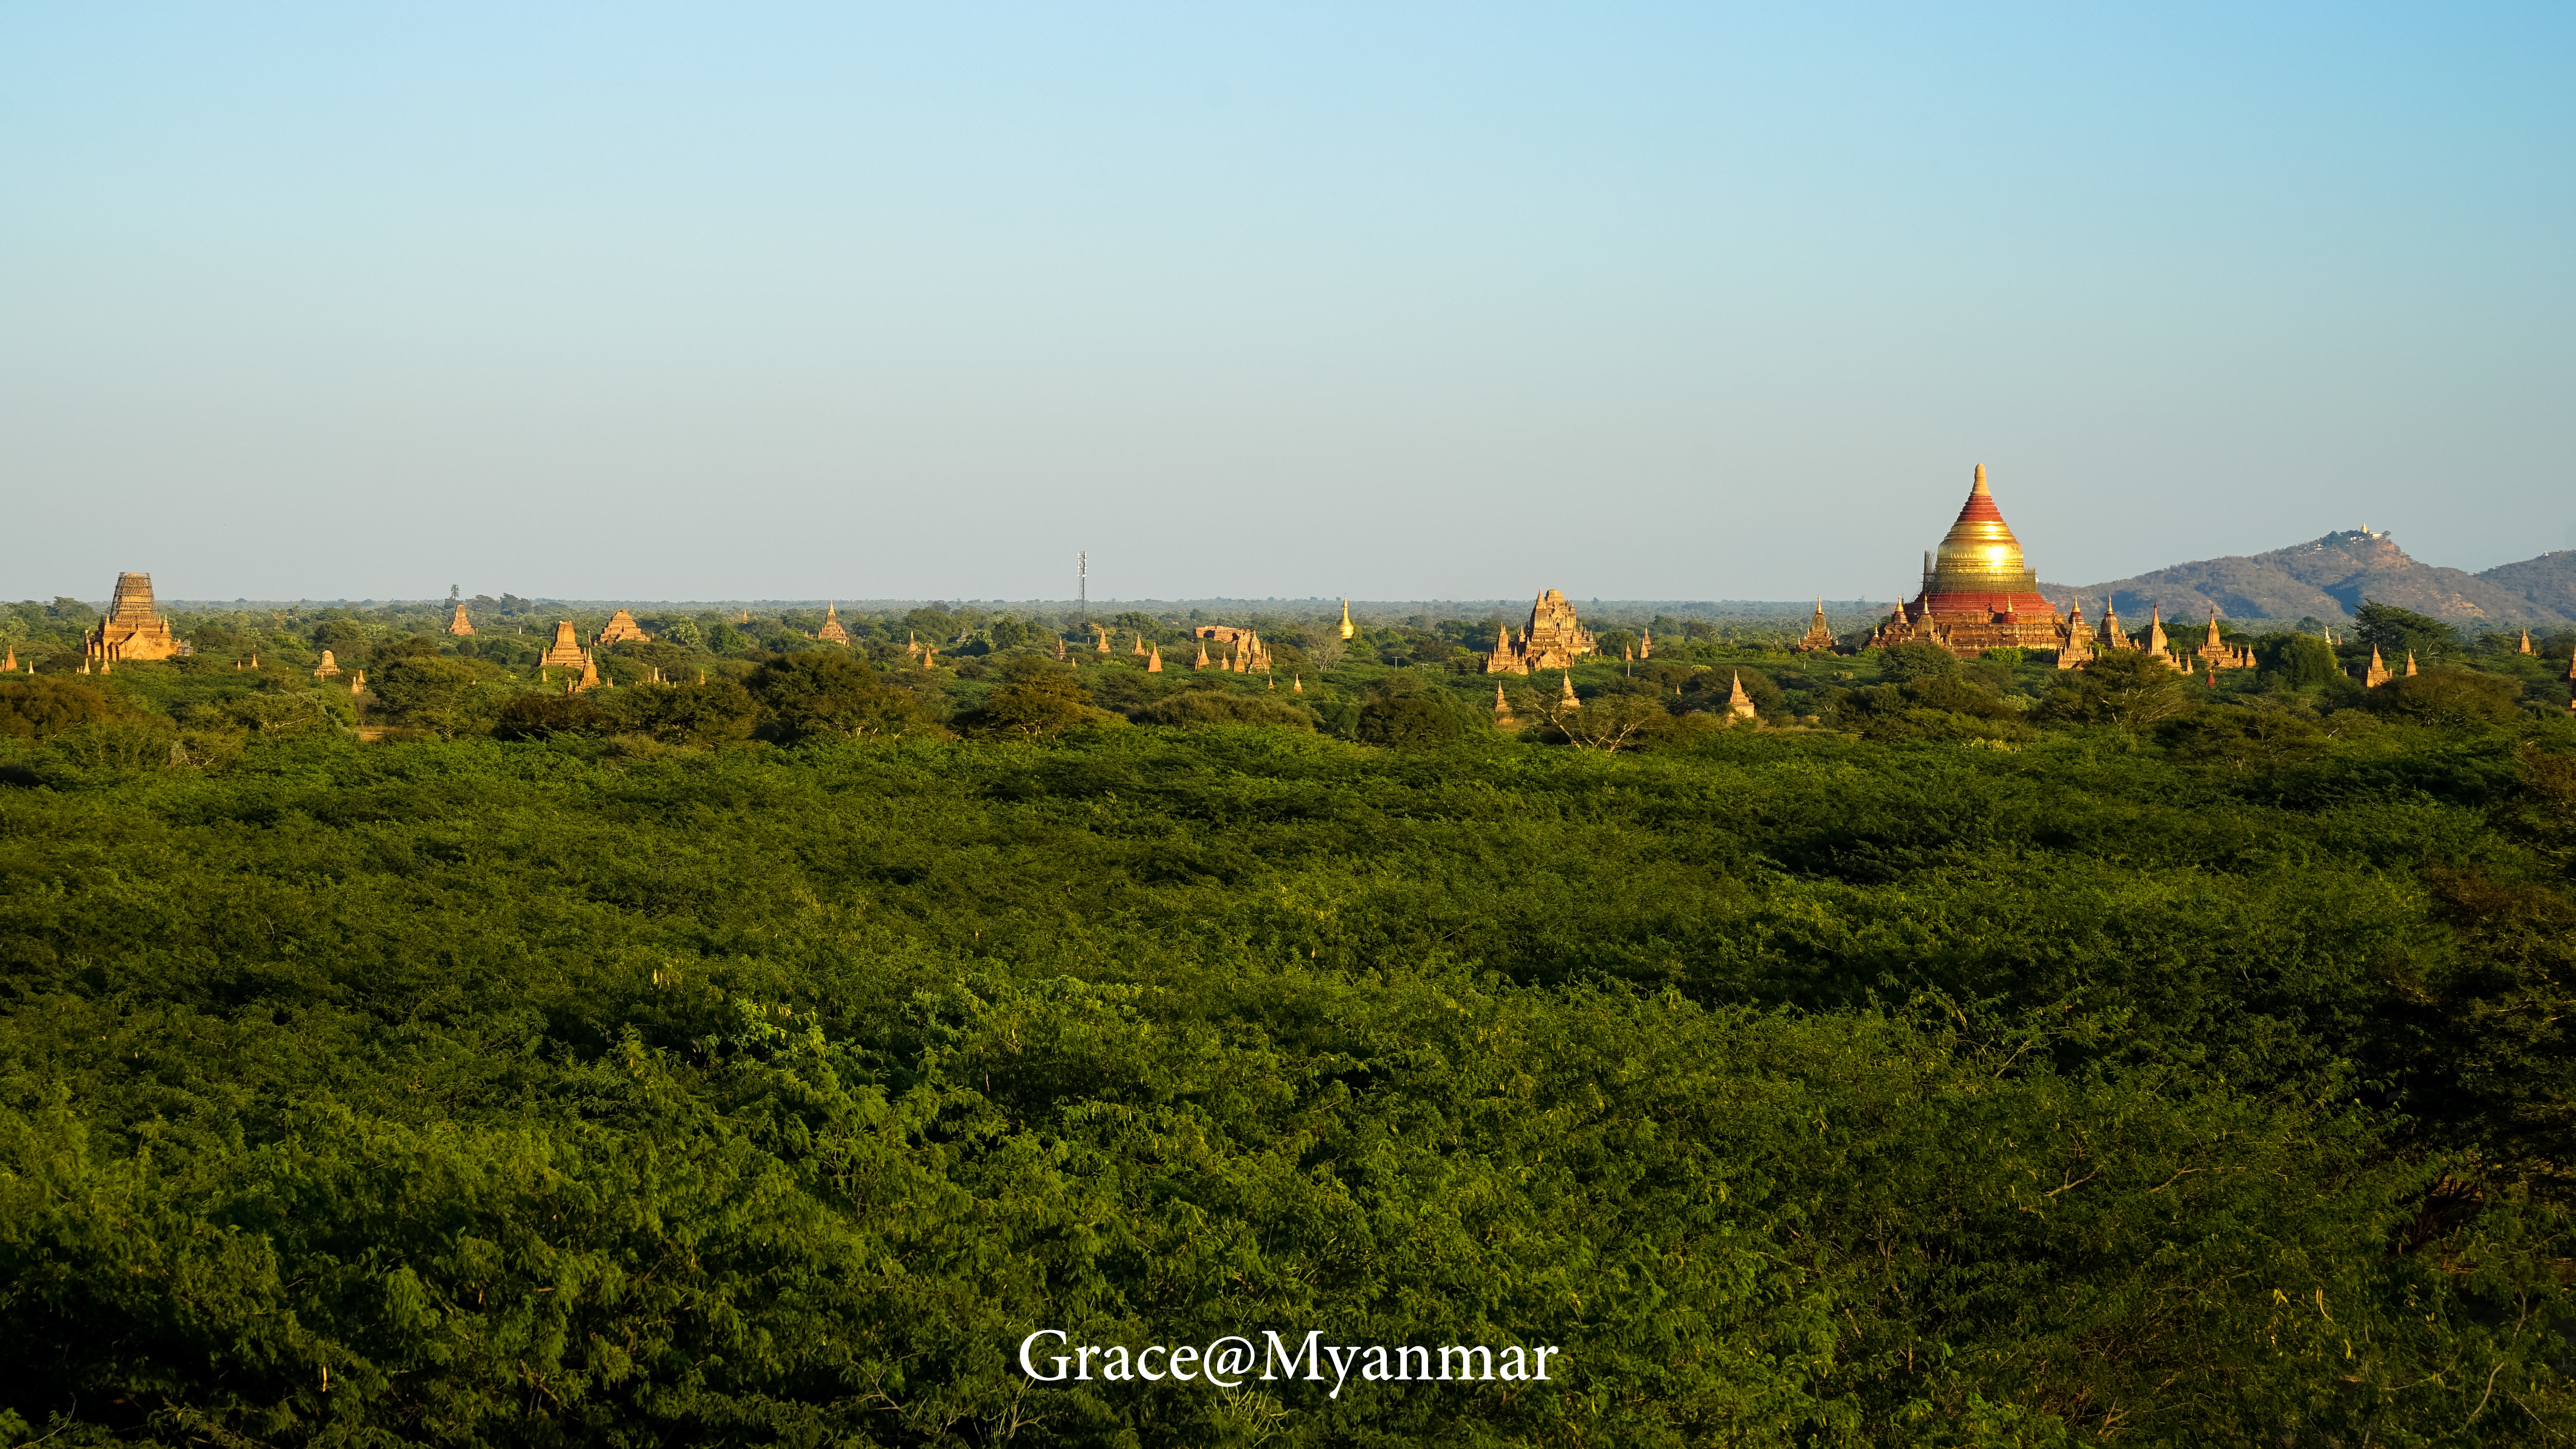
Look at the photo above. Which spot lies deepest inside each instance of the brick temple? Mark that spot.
(132, 629)
(1553, 640)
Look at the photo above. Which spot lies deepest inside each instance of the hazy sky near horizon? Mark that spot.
(1387, 300)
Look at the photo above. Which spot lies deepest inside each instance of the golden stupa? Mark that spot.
(1979, 591)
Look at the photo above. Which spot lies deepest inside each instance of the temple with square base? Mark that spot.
(132, 630)
(1553, 640)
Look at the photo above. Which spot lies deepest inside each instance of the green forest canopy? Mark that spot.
(1967, 1052)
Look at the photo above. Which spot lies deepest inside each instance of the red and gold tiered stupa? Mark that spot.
(1978, 591)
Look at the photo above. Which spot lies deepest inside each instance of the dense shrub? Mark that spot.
(1814, 1090)
(1406, 721)
(35, 707)
(1220, 706)
(1899, 663)
(715, 713)
(1037, 697)
(822, 695)
(2447, 698)
(544, 716)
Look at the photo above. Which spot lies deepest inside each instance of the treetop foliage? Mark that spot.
(1976, 1055)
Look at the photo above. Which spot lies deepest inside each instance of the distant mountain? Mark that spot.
(2548, 581)
(2329, 577)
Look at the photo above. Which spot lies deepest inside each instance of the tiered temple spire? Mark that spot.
(131, 629)
(1554, 639)
(565, 652)
(1819, 635)
(621, 627)
(1979, 591)
(1738, 703)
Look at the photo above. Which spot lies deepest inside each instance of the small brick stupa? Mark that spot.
(565, 652)
(328, 667)
(131, 629)
(2076, 650)
(460, 624)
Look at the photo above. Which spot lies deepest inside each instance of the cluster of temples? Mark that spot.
(2076, 648)
(1239, 651)
(1979, 592)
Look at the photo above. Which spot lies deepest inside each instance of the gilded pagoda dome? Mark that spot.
(1979, 566)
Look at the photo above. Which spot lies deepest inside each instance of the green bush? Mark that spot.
(1225, 706)
(824, 694)
(2447, 698)
(1406, 721)
(1899, 663)
(35, 707)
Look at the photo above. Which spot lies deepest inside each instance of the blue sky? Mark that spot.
(1390, 300)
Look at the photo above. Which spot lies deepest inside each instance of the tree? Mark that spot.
(35, 707)
(2126, 689)
(717, 712)
(2447, 698)
(826, 694)
(546, 716)
(2241, 740)
(1405, 721)
(1901, 662)
(2304, 661)
(1037, 697)
(1323, 645)
(1608, 721)
(1225, 706)
(446, 695)
(2399, 632)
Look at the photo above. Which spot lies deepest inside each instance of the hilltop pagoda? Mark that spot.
(131, 629)
(1553, 640)
(1979, 592)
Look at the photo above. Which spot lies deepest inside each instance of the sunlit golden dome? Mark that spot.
(1979, 566)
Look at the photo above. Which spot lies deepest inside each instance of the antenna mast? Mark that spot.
(1082, 585)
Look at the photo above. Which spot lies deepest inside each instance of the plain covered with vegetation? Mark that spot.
(1964, 1052)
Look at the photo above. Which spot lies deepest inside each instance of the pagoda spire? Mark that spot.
(1740, 704)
